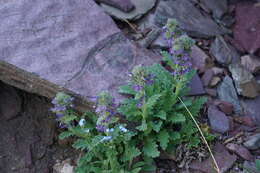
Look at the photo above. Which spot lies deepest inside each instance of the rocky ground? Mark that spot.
(227, 57)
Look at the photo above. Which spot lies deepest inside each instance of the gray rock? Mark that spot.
(141, 8)
(253, 142)
(200, 60)
(189, 17)
(218, 8)
(160, 42)
(219, 122)
(245, 82)
(196, 86)
(223, 52)
(150, 37)
(49, 46)
(227, 92)
(10, 102)
(252, 108)
(251, 63)
(250, 167)
(124, 5)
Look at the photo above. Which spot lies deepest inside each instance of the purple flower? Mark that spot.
(100, 128)
(137, 88)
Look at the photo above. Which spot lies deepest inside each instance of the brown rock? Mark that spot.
(224, 159)
(224, 106)
(247, 28)
(251, 63)
(214, 81)
(240, 150)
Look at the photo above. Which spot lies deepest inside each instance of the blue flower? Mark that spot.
(82, 122)
(123, 129)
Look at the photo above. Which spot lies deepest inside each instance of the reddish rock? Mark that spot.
(240, 150)
(224, 106)
(219, 122)
(207, 77)
(247, 27)
(224, 159)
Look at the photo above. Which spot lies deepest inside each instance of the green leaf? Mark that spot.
(157, 125)
(163, 138)
(177, 118)
(162, 115)
(257, 162)
(130, 153)
(143, 126)
(151, 149)
(153, 100)
(68, 118)
(80, 144)
(65, 134)
(126, 89)
(175, 136)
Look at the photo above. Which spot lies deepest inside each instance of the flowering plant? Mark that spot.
(154, 118)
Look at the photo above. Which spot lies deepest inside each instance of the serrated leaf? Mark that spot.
(130, 153)
(177, 118)
(163, 138)
(65, 134)
(126, 89)
(80, 144)
(157, 125)
(150, 149)
(143, 126)
(153, 100)
(162, 115)
(175, 136)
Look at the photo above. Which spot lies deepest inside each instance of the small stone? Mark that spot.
(224, 106)
(141, 8)
(207, 77)
(200, 60)
(219, 122)
(253, 142)
(227, 92)
(196, 87)
(240, 150)
(10, 102)
(245, 82)
(251, 63)
(217, 70)
(214, 81)
(211, 92)
(223, 52)
(124, 5)
(252, 108)
(63, 167)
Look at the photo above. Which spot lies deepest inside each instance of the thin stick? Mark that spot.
(131, 25)
(204, 139)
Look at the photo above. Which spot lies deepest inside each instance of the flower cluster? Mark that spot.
(105, 111)
(180, 47)
(62, 102)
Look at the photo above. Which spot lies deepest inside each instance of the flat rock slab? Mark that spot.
(63, 45)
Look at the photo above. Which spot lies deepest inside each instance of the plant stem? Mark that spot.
(203, 137)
